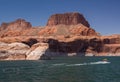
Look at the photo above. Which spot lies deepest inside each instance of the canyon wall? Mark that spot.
(65, 34)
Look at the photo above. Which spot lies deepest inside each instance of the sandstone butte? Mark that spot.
(67, 34)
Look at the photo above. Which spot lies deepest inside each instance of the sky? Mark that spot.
(103, 15)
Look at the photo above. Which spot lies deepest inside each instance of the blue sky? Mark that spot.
(103, 15)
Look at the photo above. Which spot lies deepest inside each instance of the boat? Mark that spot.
(105, 60)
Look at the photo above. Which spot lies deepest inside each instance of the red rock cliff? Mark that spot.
(19, 24)
(67, 19)
(67, 33)
(15, 28)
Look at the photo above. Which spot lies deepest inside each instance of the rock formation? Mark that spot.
(38, 51)
(78, 29)
(19, 24)
(14, 28)
(84, 46)
(13, 51)
(66, 34)
(67, 19)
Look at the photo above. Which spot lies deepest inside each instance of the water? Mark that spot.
(62, 69)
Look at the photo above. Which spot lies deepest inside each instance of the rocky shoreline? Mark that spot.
(66, 34)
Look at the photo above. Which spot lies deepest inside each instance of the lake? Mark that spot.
(62, 69)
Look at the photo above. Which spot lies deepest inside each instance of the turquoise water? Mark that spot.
(62, 69)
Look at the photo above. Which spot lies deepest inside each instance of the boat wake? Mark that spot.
(80, 64)
(59, 64)
(77, 64)
(100, 62)
(91, 63)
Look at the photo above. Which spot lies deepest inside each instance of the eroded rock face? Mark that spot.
(67, 19)
(38, 51)
(82, 30)
(19, 24)
(75, 46)
(84, 46)
(13, 51)
(65, 34)
(112, 39)
(64, 30)
(70, 46)
(14, 28)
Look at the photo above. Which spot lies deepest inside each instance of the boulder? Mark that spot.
(38, 51)
(13, 51)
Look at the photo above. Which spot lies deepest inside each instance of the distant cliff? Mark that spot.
(19, 24)
(67, 19)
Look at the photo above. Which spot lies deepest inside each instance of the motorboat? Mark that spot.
(105, 60)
